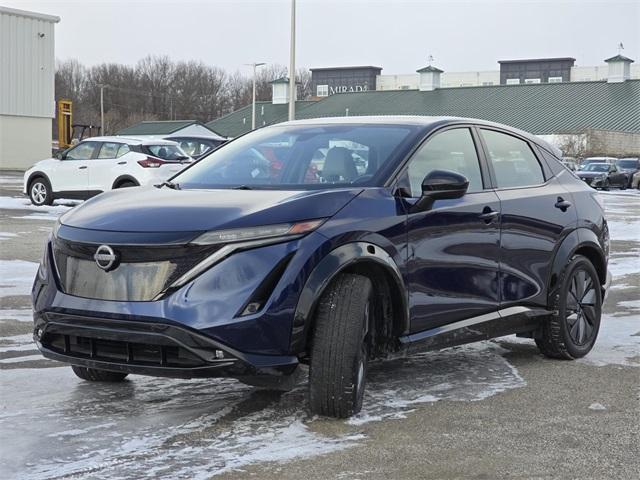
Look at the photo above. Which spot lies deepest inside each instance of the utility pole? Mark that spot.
(102, 87)
(292, 64)
(255, 65)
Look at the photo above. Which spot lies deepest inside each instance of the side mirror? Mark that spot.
(61, 155)
(441, 185)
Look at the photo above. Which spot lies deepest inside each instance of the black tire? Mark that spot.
(95, 375)
(340, 350)
(606, 185)
(572, 332)
(127, 184)
(624, 184)
(40, 192)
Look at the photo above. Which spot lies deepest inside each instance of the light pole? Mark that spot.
(292, 64)
(102, 87)
(255, 66)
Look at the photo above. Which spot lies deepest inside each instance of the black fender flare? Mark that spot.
(576, 240)
(35, 175)
(329, 267)
(124, 178)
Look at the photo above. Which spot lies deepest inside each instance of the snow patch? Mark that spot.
(618, 343)
(25, 315)
(16, 277)
(597, 407)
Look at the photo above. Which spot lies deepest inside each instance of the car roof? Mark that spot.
(419, 120)
(130, 140)
(216, 138)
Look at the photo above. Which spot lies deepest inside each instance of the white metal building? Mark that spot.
(410, 81)
(27, 72)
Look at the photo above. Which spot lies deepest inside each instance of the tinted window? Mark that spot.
(597, 167)
(299, 157)
(166, 152)
(82, 151)
(628, 163)
(513, 161)
(449, 150)
(108, 150)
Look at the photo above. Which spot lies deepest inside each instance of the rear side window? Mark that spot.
(108, 150)
(124, 149)
(450, 150)
(513, 161)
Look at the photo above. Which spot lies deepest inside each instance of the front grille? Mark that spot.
(139, 354)
(140, 274)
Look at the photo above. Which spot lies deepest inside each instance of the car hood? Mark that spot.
(151, 209)
(591, 174)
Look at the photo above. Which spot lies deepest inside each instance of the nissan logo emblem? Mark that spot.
(105, 257)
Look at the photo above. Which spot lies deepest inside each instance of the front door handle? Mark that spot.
(562, 204)
(82, 167)
(122, 163)
(488, 214)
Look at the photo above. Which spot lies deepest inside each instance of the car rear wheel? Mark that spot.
(571, 331)
(40, 192)
(340, 351)
(95, 375)
(126, 184)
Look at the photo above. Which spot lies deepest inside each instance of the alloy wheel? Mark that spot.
(581, 307)
(39, 192)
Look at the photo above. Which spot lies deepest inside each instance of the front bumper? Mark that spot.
(148, 348)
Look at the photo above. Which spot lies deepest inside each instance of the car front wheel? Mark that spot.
(571, 331)
(40, 192)
(340, 352)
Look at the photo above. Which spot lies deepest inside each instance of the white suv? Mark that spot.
(99, 164)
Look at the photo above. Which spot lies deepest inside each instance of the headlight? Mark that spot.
(257, 233)
(43, 272)
(603, 177)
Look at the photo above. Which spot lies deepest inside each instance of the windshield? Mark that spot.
(630, 163)
(597, 167)
(301, 157)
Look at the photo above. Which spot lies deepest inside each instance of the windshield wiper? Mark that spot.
(241, 187)
(175, 186)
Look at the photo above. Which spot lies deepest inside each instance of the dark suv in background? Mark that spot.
(405, 233)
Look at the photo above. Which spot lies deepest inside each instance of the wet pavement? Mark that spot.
(494, 409)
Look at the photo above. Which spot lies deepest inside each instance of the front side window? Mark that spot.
(450, 150)
(513, 161)
(82, 151)
(108, 150)
(300, 157)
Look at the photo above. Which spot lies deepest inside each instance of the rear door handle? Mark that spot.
(488, 214)
(122, 163)
(82, 167)
(562, 204)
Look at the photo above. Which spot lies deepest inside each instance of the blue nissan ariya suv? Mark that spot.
(327, 243)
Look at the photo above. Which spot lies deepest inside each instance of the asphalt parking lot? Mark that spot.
(491, 410)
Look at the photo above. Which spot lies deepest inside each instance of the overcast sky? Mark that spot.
(395, 35)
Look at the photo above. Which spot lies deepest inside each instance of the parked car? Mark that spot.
(197, 146)
(629, 166)
(603, 175)
(635, 180)
(590, 160)
(98, 164)
(458, 230)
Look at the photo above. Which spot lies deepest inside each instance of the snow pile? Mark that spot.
(16, 277)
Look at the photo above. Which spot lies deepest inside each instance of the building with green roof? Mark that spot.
(161, 128)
